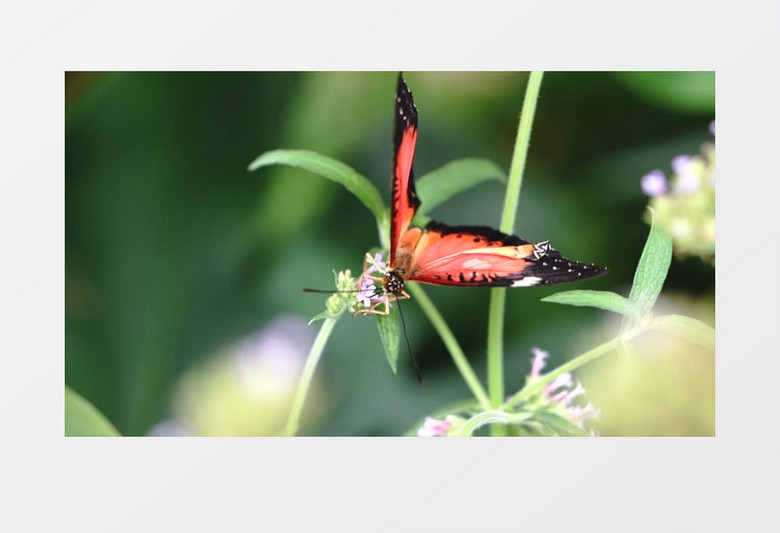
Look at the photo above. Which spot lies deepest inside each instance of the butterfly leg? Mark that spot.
(370, 260)
(386, 299)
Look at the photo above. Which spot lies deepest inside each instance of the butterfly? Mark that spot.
(438, 254)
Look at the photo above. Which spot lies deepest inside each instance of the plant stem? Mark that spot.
(495, 354)
(456, 352)
(495, 348)
(521, 151)
(577, 362)
(306, 377)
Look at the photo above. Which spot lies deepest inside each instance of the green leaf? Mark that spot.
(652, 269)
(692, 92)
(492, 417)
(389, 333)
(322, 316)
(438, 186)
(477, 421)
(606, 300)
(560, 425)
(82, 419)
(329, 168)
(686, 328)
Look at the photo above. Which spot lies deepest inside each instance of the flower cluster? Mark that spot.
(558, 395)
(341, 299)
(684, 204)
(369, 293)
(433, 427)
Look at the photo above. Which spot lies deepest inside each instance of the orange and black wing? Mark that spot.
(484, 257)
(404, 199)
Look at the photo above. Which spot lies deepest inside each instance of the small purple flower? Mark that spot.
(539, 360)
(578, 390)
(654, 183)
(688, 183)
(378, 260)
(578, 414)
(562, 391)
(434, 427)
(369, 293)
(682, 164)
(687, 180)
(712, 127)
(563, 381)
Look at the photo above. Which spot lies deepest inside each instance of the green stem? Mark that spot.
(495, 343)
(456, 352)
(515, 180)
(306, 377)
(575, 363)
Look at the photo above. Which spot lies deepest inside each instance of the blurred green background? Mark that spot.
(183, 271)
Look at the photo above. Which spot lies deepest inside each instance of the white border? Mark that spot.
(727, 483)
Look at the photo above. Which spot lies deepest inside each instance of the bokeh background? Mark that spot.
(184, 313)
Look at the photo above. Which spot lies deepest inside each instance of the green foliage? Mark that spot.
(692, 92)
(82, 419)
(389, 333)
(649, 278)
(438, 186)
(560, 425)
(609, 301)
(686, 328)
(328, 168)
(342, 299)
(651, 270)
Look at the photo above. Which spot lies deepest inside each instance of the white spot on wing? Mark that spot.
(528, 281)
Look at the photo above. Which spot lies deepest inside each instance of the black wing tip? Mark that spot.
(554, 268)
(404, 100)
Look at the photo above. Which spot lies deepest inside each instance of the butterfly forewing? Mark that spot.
(404, 200)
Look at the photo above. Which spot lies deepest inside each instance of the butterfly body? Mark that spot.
(439, 254)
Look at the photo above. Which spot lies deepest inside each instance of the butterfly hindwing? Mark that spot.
(404, 199)
(480, 256)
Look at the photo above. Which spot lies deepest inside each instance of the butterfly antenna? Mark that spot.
(409, 345)
(330, 291)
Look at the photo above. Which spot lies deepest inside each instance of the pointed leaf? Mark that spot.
(491, 417)
(82, 419)
(686, 328)
(477, 421)
(560, 425)
(329, 168)
(606, 300)
(652, 269)
(389, 333)
(322, 316)
(436, 187)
